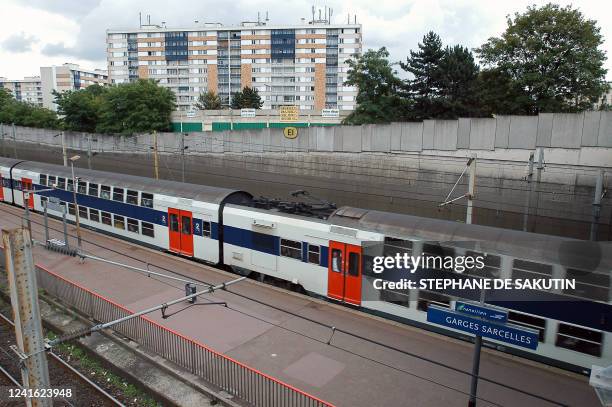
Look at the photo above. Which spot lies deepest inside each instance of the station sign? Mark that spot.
(290, 132)
(247, 113)
(330, 113)
(491, 313)
(288, 113)
(507, 333)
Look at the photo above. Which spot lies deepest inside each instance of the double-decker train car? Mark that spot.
(327, 255)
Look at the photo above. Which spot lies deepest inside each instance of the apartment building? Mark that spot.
(67, 77)
(303, 65)
(27, 90)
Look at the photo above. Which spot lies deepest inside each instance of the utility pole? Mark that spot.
(182, 156)
(14, 140)
(2, 135)
(24, 300)
(63, 137)
(89, 151)
(539, 168)
(75, 182)
(471, 190)
(528, 199)
(155, 158)
(597, 204)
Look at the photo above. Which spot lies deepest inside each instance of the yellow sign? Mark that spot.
(291, 132)
(288, 113)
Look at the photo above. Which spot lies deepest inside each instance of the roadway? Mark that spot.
(346, 372)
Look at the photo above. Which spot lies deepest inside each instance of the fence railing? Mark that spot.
(236, 378)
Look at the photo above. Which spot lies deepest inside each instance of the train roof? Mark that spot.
(568, 252)
(8, 162)
(164, 187)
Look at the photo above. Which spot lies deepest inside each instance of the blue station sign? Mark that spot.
(511, 334)
(490, 313)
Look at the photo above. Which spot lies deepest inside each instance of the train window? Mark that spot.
(61, 183)
(592, 285)
(51, 181)
(106, 218)
(70, 185)
(426, 298)
(105, 191)
(491, 267)
(83, 212)
(43, 179)
(82, 187)
(579, 339)
(94, 215)
(131, 197)
(436, 254)
(530, 269)
(291, 248)
(353, 264)
(314, 254)
(393, 245)
(93, 189)
(118, 194)
(264, 243)
(146, 200)
(71, 209)
(205, 229)
(539, 324)
(119, 222)
(132, 225)
(186, 225)
(174, 222)
(147, 229)
(394, 297)
(336, 260)
(43, 199)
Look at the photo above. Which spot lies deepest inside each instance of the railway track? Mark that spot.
(86, 392)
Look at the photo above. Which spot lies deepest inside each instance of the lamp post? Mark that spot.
(74, 197)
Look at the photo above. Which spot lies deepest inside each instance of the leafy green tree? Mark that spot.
(457, 84)
(236, 102)
(136, 107)
(378, 95)
(80, 108)
(25, 114)
(498, 93)
(208, 101)
(251, 98)
(552, 53)
(424, 87)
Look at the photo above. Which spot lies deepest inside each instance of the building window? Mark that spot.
(105, 191)
(148, 229)
(146, 200)
(579, 339)
(118, 194)
(132, 225)
(132, 197)
(106, 218)
(93, 189)
(119, 222)
(83, 212)
(314, 254)
(291, 248)
(94, 215)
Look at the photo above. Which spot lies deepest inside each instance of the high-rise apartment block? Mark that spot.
(27, 90)
(303, 65)
(67, 77)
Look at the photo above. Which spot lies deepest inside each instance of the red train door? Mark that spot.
(344, 274)
(27, 185)
(180, 231)
(1, 189)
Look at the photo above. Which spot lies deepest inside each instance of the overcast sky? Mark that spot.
(38, 33)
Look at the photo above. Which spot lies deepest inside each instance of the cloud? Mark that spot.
(19, 42)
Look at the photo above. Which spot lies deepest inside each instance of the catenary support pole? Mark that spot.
(528, 198)
(24, 300)
(471, 191)
(89, 151)
(538, 187)
(182, 155)
(597, 204)
(155, 157)
(64, 154)
(14, 141)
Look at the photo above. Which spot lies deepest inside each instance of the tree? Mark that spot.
(136, 107)
(424, 88)
(553, 54)
(456, 79)
(378, 94)
(25, 114)
(208, 101)
(498, 93)
(80, 108)
(247, 98)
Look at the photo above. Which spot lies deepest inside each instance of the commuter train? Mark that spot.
(325, 255)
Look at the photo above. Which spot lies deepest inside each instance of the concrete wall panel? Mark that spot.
(482, 134)
(381, 138)
(523, 132)
(412, 137)
(605, 130)
(351, 139)
(590, 129)
(545, 125)
(567, 130)
(445, 135)
(396, 136)
(428, 134)
(366, 137)
(463, 133)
